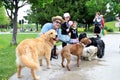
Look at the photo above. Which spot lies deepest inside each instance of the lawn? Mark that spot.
(7, 54)
(111, 26)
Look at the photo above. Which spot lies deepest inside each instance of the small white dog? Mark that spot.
(89, 52)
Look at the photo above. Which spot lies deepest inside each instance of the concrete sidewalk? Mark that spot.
(107, 68)
(45, 74)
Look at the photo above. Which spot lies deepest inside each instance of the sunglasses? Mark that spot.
(57, 22)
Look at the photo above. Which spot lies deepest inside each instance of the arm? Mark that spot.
(46, 27)
(77, 32)
(59, 34)
(99, 19)
(64, 27)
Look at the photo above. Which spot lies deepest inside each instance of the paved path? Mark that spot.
(107, 68)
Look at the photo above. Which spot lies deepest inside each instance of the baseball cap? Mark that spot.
(66, 15)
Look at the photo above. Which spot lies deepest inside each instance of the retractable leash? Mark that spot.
(53, 53)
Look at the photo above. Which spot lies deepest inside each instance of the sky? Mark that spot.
(22, 12)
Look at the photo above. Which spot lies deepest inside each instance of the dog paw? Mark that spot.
(37, 78)
(49, 67)
(62, 65)
(89, 59)
(41, 65)
(20, 76)
(68, 69)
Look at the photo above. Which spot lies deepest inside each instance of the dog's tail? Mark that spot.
(26, 60)
(29, 63)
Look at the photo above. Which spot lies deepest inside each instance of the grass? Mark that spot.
(7, 54)
(111, 25)
(7, 62)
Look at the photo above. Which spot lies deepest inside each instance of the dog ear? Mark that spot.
(83, 40)
(82, 35)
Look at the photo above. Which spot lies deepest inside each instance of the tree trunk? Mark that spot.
(14, 42)
(14, 24)
(36, 26)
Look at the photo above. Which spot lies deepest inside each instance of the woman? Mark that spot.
(97, 22)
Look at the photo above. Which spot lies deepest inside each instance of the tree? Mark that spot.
(4, 20)
(35, 16)
(12, 7)
(43, 14)
(114, 6)
(83, 11)
(94, 6)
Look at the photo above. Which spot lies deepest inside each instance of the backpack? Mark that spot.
(98, 23)
(102, 22)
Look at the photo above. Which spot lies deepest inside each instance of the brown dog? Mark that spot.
(30, 51)
(74, 49)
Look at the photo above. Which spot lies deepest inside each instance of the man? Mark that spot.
(56, 23)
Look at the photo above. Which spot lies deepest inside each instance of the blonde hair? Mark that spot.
(74, 25)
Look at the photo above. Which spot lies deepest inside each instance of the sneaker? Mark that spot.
(55, 57)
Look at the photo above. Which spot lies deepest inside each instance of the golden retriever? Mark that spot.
(30, 51)
(74, 49)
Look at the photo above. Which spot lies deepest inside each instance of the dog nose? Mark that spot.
(56, 35)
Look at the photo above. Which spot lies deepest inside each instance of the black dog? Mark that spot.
(98, 42)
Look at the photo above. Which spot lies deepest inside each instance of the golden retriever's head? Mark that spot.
(52, 34)
(85, 41)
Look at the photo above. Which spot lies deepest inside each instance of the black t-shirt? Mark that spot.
(74, 33)
(64, 27)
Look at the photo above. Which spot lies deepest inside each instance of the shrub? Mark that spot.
(109, 29)
(81, 30)
(91, 29)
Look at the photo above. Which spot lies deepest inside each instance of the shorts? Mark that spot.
(97, 29)
(73, 41)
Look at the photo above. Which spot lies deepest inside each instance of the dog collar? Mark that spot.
(82, 44)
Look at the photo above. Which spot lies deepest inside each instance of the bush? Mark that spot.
(91, 29)
(109, 29)
(81, 30)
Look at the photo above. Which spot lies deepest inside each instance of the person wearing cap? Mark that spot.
(56, 23)
(65, 27)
